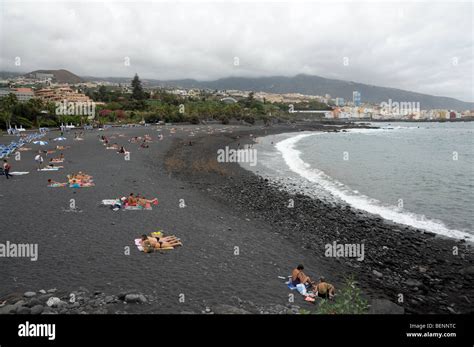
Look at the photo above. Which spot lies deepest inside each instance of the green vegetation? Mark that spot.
(34, 112)
(347, 301)
(132, 104)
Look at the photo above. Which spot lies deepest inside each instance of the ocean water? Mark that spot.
(416, 174)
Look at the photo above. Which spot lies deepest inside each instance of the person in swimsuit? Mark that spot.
(324, 289)
(151, 243)
(300, 280)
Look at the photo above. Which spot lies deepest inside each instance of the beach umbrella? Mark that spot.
(60, 139)
(41, 143)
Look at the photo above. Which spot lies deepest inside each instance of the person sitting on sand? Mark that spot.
(300, 280)
(150, 244)
(324, 289)
(122, 150)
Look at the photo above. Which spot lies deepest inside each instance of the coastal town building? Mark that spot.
(22, 94)
(60, 94)
(356, 98)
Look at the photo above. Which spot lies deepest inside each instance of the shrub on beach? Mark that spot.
(347, 301)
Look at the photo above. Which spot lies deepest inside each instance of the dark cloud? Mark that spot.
(424, 47)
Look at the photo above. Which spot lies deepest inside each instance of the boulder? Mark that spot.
(29, 294)
(135, 298)
(53, 301)
(376, 273)
(37, 309)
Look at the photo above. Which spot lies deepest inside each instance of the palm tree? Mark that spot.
(7, 104)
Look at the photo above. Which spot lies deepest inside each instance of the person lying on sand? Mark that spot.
(324, 289)
(114, 146)
(80, 176)
(150, 244)
(140, 201)
(60, 159)
(300, 280)
(80, 184)
(52, 166)
(62, 147)
(51, 182)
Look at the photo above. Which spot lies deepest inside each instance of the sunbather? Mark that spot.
(324, 289)
(300, 280)
(142, 201)
(131, 200)
(51, 182)
(149, 243)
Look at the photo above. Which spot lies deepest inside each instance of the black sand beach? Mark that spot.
(238, 236)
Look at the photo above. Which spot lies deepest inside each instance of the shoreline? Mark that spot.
(289, 185)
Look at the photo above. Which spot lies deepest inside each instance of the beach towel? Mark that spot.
(57, 185)
(138, 207)
(109, 202)
(50, 168)
(19, 173)
(81, 185)
(139, 245)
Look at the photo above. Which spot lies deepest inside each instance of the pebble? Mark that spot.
(376, 273)
(37, 309)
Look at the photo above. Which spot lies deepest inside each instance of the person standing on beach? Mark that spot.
(39, 161)
(6, 168)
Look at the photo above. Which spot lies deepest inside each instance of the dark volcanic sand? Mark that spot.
(223, 211)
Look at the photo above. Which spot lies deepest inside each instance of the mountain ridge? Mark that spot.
(301, 83)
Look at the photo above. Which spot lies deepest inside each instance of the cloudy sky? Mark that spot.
(420, 46)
